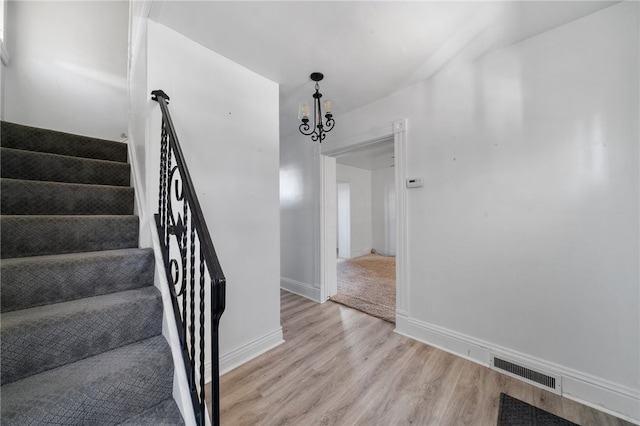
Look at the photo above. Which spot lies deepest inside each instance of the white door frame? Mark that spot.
(344, 220)
(325, 264)
(396, 129)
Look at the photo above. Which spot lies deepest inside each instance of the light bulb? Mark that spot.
(327, 107)
(303, 111)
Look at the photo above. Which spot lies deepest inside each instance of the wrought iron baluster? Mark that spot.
(192, 325)
(202, 330)
(184, 263)
(163, 171)
(187, 225)
(169, 209)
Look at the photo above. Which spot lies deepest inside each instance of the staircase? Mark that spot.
(81, 320)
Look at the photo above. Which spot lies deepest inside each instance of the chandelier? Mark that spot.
(319, 129)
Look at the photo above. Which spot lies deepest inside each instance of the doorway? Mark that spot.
(326, 248)
(366, 229)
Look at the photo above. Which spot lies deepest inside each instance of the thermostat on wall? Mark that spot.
(415, 183)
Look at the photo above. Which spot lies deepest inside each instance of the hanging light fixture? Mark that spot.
(317, 132)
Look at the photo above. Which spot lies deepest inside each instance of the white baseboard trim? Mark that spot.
(358, 253)
(602, 395)
(300, 288)
(402, 323)
(235, 358)
(592, 391)
(449, 341)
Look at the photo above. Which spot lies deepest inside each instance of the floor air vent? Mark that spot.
(546, 381)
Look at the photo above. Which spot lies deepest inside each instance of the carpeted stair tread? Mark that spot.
(42, 338)
(81, 322)
(42, 140)
(43, 235)
(20, 164)
(164, 414)
(34, 281)
(105, 389)
(32, 197)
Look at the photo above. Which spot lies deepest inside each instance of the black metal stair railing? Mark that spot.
(189, 257)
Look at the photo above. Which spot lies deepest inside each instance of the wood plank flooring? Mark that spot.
(340, 366)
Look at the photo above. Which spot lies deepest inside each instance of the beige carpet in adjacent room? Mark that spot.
(368, 284)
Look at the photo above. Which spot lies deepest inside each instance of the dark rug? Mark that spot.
(513, 412)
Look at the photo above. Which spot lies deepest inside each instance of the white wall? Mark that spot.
(299, 215)
(525, 236)
(138, 93)
(68, 66)
(234, 167)
(2, 74)
(383, 211)
(4, 55)
(360, 208)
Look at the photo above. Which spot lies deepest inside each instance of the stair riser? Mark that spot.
(33, 341)
(42, 140)
(37, 281)
(17, 164)
(106, 389)
(23, 236)
(46, 198)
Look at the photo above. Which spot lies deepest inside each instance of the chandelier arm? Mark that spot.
(329, 124)
(305, 129)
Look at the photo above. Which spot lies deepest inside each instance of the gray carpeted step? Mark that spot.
(106, 389)
(35, 281)
(23, 236)
(45, 198)
(81, 319)
(42, 140)
(19, 164)
(42, 338)
(164, 414)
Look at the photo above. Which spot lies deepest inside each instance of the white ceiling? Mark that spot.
(366, 49)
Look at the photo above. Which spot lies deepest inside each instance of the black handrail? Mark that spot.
(173, 231)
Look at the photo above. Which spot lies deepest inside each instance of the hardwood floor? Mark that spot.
(340, 366)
